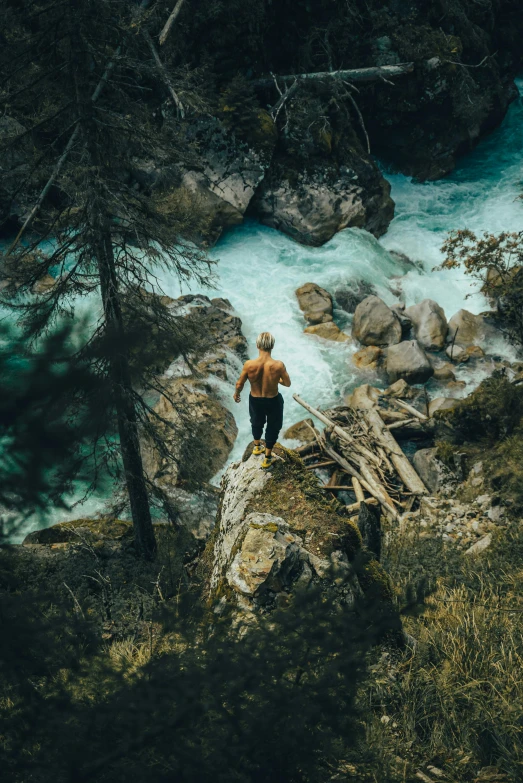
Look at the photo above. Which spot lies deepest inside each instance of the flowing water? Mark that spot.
(260, 268)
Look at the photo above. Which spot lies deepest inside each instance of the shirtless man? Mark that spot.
(265, 401)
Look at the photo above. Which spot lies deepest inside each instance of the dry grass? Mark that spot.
(456, 700)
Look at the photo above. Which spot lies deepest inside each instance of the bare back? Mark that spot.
(264, 376)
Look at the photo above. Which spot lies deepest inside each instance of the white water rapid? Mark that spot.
(259, 270)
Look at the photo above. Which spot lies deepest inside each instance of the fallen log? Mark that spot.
(373, 74)
(307, 448)
(362, 402)
(320, 465)
(409, 408)
(360, 497)
(376, 491)
(356, 506)
(340, 432)
(397, 424)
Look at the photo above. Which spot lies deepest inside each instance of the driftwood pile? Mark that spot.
(358, 441)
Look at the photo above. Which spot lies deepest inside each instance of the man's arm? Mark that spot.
(240, 383)
(284, 376)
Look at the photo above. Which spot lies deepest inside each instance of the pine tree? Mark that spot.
(81, 78)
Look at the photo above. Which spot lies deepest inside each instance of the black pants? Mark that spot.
(266, 410)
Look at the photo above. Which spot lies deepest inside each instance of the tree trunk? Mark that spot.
(374, 74)
(124, 402)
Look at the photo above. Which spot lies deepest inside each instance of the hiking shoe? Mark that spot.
(258, 449)
(267, 463)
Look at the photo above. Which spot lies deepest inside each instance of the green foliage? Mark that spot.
(49, 403)
(239, 106)
(190, 699)
(495, 260)
(493, 411)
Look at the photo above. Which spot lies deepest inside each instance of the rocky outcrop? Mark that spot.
(221, 180)
(314, 204)
(220, 333)
(375, 324)
(444, 108)
(328, 331)
(276, 533)
(429, 324)
(315, 303)
(197, 428)
(199, 433)
(409, 361)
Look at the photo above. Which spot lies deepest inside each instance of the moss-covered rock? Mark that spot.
(277, 532)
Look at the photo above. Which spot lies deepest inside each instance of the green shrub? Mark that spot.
(493, 411)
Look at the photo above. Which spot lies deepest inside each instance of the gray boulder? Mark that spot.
(375, 324)
(430, 469)
(311, 206)
(270, 557)
(409, 361)
(272, 539)
(429, 324)
(315, 303)
(465, 329)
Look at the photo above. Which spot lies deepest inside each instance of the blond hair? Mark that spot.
(265, 341)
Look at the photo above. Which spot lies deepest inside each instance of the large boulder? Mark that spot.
(409, 361)
(466, 329)
(312, 205)
(315, 303)
(221, 182)
(198, 429)
(277, 533)
(375, 324)
(429, 324)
